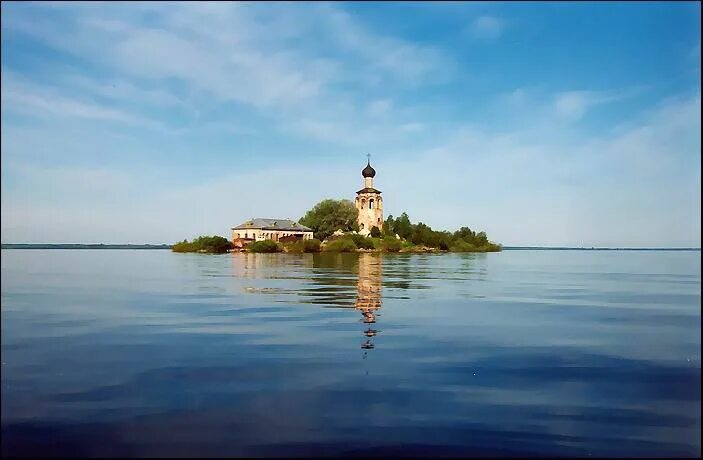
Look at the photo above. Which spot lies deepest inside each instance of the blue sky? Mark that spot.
(539, 123)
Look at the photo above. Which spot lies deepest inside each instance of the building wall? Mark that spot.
(263, 234)
(369, 216)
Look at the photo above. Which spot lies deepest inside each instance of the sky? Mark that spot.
(555, 124)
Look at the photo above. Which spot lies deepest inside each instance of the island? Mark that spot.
(343, 226)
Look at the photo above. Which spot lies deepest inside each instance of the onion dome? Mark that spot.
(368, 171)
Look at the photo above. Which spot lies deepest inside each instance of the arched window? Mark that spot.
(379, 220)
(363, 203)
(371, 203)
(246, 235)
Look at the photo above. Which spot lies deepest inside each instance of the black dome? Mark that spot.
(368, 171)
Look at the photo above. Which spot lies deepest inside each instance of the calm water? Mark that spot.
(150, 353)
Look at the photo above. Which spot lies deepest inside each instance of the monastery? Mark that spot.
(368, 202)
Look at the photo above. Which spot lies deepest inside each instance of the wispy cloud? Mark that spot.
(42, 101)
(241, 96)
(574, 104)
(379, 107)
(486, 28)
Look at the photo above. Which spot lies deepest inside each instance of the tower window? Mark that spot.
(371, 203)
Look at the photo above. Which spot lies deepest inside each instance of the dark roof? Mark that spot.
(368, 190)
(368, 171)
(273, 224)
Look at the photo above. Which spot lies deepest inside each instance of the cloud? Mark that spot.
(486, 28)
(612, 189)
(379, 107)
(39, 101)
(574, 104)
(637, 184)
(300, 69)
(235, 82)
(412, 127)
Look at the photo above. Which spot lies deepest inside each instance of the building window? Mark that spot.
(379, 220)
(362, 226)
(246, 236)
(371, 203)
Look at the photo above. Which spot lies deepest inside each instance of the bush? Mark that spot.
(207, 244)
(391, 245)
(462, 246)
(407, 245)
(312, 245)
(375, 232)
(264, 246)
(361, 241)
(340, 245)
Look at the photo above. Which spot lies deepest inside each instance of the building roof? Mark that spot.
(368, 190)
(273, 224)
(368, 171)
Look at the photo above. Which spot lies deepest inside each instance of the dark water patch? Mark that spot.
(122, 353)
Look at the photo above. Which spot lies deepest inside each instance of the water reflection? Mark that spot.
(329, 280)
(368, 295)
(156, 354)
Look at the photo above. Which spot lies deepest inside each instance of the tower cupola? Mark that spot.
(368, 171)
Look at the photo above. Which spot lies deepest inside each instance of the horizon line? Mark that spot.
(508, 247)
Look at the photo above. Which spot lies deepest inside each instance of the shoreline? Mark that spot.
(162, 247)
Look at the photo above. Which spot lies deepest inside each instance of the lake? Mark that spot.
(523, 352)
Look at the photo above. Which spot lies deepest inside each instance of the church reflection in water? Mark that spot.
(368, 295)
(324, 279)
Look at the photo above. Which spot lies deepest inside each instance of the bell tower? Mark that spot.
(369, 202)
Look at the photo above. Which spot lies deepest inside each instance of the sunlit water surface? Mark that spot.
(151, 353)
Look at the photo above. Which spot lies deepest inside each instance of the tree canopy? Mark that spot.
(463, 239)
(328, 216)
(209, 244)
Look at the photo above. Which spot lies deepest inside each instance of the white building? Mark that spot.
(270, 229)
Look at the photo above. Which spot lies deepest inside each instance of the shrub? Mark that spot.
(375, 232)
(264, 246)
(340, 245)
(208, 244)
(407, 245)
(312, 245)
(361, 241)
(462, 246)
(391, 245)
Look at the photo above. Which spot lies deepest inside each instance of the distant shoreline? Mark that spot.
(555, 248)
(83, 246)
(168, 246)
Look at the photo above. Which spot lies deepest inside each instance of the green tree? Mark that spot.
(340, 245)
(329, 215)
(390, 244)
(207, 244)
(264, 246)
(375, 232)
(388, 225)
(402, 226)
